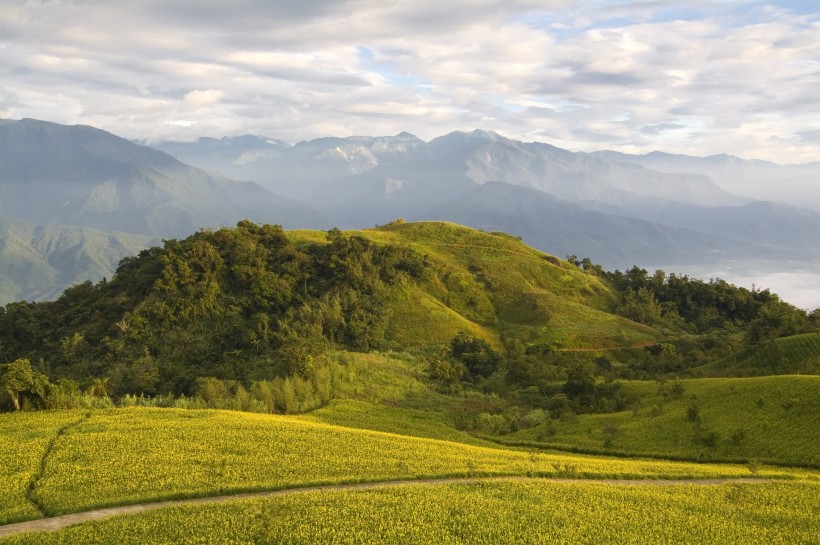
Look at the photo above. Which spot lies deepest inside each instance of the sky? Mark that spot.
(696, 77)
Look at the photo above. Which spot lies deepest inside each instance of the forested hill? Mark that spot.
(255, 302)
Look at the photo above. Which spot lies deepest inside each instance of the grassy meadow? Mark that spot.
(787, 355)
(483, 279)
(771, 419)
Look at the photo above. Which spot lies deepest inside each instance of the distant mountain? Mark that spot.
(295, 171)
(330, 168)
(795, 184)
(572, 176)
(39, 262)
(544, 221)
(364, 181)
(79, 175)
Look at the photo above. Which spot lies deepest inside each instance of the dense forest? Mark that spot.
(233, 308)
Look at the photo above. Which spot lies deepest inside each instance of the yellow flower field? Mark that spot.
(532, 512)
(135, 455)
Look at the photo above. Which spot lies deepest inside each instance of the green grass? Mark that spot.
(482, 513)
(772, 419)
(798, 354)
(123, 456)
(378, 377)
(432, 424)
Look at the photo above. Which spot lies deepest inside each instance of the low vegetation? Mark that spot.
(25, 440)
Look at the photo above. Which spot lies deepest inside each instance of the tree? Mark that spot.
(476, 354)
(18, 377)
(640, 305)
(580, 384)
(99, 387)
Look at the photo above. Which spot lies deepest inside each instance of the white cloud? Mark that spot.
(695, 77)
(201, 98)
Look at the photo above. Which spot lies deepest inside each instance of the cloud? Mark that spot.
(199, 98)
(739, 77)
(8, 102)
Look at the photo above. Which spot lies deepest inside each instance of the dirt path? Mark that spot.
(56, 523)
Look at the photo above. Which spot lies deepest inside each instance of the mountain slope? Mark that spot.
(39, 262)
(573, 176)
(78, 175)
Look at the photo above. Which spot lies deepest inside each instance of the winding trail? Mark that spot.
(31, 496)
(55, 523)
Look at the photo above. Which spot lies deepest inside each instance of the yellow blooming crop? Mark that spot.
(24, 438)
(530, 512)
(134, 455)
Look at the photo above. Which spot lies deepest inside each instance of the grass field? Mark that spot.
(772, 419)
(399, 420)
(483, 513)
(124, 456)
(787, 355)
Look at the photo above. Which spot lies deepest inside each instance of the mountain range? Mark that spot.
(606, 206)
(82, 176)
(542, 193)
(327, 167)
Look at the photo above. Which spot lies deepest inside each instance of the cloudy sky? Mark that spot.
(694, 76)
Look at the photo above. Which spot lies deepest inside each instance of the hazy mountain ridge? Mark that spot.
(362, 181)
(561, 202)
(794, 184)
(762, 223)
(320, 165)
(78, 175)
(296, 171)
(39, 262)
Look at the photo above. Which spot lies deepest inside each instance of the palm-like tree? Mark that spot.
(99, 387)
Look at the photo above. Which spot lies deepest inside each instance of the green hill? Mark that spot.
(256, 302)
(500, 284)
